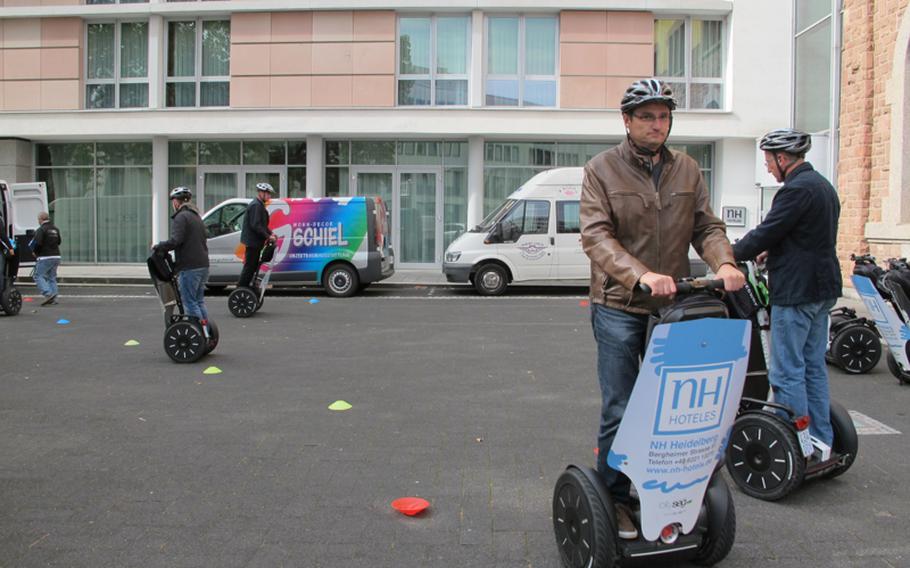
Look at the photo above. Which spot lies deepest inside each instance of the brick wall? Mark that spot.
(870, 33)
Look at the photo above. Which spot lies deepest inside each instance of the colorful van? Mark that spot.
(340, 243)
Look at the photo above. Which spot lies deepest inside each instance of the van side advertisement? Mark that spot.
(678, 420)
(312, 233)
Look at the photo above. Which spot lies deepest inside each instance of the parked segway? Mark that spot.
(854, 344)
(10, 297)
(186, 338)
(886, 295)
(770, 447)
(243, 302)
(670, 444)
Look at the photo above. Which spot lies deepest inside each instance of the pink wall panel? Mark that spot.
(630, 27)
(291, 58)
(251, 27)
(582, 92)
(250, 92)
(292, 27)
(374, 58)
(374, 91)
(583, 26)
(630, 59)
(333, 26)
(374, 26)
(22, 63)
(250, 59)
(60, 95)
(290, 92)
(332, 58)
(60, 63)
(583, 59)
(332, 91)
(21, 32)
(22, 95)
(61, 32)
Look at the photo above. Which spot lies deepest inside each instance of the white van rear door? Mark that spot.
(571, 261)
(28, 199)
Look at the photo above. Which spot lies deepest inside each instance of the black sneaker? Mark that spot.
(625, 525)
(50, 300)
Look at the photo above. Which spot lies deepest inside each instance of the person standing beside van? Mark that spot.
(642, 205)
(255, 233)
(191, 252)
(46, 246)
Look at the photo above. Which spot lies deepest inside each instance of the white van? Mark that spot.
(534, 235)
(20, 204)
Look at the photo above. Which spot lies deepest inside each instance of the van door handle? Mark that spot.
(552, 240)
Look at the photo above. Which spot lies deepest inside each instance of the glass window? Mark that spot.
(521, 61)
(100, 195)
(689, 56)
(537, 218)
(809, 12)
(181, 153)
(227, 153)
(268, 153)
(567, 219)
(297, 152)
(812, 77)
(296, 182)
(116, 65)
(198, 63)
(369, 152)
(433, 54)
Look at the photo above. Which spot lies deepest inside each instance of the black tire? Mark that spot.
(846, 442)
(763, 457)
(899, 374)
(10, 301)
(856, 349)
(584, 535)
(243, 302)
(341, 281)
(491, 279)
(213, 337)
(184, 342)
(719, 541)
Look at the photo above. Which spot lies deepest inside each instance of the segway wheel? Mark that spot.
(243, 302)
(764, 457)
(11, 301)
(846, 442)
(184, 342)
(584, 534)
(721, 535)
(213, 337)
(895, 368)
(856, 349)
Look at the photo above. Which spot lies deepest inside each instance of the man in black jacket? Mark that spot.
(255, 233)
(46, 246)
(191, 252)
(799, 239)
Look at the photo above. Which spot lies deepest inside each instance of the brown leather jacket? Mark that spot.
(628, 228)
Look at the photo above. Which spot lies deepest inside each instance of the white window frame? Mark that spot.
(198, 78)
(433, 76)
(116, 80)
(521, 77)
(687, 77)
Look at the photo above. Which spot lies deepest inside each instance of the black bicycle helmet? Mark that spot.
(262, 186)
(182, 193)
(647, 91)
(786, 140)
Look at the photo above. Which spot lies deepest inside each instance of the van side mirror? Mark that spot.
(495, 234)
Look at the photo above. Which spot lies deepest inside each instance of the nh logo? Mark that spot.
(692, 398)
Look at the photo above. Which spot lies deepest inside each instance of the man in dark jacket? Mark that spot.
(799, 239)
(46, 246)
(255, 233)
(191, 252)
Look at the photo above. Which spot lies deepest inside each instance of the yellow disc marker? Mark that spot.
(340, 405)
(212, 371)
(131, 343)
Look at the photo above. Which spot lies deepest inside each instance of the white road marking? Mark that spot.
(866, 425)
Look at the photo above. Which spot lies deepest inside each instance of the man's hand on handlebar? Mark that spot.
(732, 276)
(659, 284)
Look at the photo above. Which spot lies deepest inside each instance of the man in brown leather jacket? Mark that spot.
(642, 205)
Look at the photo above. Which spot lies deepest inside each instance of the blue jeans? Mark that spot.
(798, 373)
(192, 291)
(46, 276)
(620, 340)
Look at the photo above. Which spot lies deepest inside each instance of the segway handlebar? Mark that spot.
(690, 286)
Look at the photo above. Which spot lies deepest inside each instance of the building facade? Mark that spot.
(874, 166)
(441, 111)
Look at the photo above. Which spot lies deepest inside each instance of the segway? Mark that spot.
(10, 297)
(885, 295)
(186, 338)
(670, 444)
(770, 446)
(243, 302)
(854, 343)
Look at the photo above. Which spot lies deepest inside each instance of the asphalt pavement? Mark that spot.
(112, 455)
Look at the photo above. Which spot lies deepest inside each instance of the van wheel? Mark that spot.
(340, 281)
(491, 280)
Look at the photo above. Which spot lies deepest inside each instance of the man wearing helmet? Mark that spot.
(255, 232)
(798, 237)
(642, 206)
(191, 252)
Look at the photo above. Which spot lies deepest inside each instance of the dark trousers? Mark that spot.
(250, 266)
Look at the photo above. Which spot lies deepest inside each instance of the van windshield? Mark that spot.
(494, 216)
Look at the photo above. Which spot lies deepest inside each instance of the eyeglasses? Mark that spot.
(649, 118)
